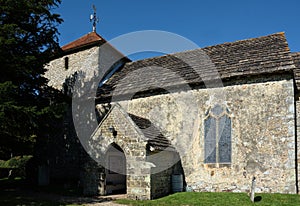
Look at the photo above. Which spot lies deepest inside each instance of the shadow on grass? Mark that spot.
(12, 198)
(20, 192)
(22, 184)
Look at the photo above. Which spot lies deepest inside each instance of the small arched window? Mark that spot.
(217, 135)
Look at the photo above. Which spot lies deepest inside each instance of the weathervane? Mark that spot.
(94, 18)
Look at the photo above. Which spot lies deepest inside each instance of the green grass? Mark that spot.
(218, 199)
(15, 192)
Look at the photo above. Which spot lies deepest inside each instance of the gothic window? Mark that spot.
(217, 136)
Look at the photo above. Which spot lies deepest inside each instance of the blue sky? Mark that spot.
(206, 22)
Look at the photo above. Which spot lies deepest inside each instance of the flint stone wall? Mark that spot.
(57, 73)
(298, 139)
(263, 134)
(161, 174)
(128, 138)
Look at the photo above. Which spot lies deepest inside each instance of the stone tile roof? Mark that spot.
(263, 55)
(119, 118)
(296, 58)
(89, 39)
(155, 138)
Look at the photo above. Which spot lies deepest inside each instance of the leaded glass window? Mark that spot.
(210, 140)
(217, 136)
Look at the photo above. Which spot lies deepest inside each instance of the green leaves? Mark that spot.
(15, 162)
(28, 36)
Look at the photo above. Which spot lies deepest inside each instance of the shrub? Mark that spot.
(16, 164)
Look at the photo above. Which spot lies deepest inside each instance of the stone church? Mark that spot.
(207, 119)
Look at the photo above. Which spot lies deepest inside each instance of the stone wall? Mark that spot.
(263, 134)
(63, 152)
(69, 160)
(129, 138)
(161, 183)
(57, 72)
(298, 140)
(161, 173)
(90, 174)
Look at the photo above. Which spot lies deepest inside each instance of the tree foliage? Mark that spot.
(28, 37)
(15, 162)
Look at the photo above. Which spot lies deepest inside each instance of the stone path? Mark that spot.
(95, 201)
(103, 204)
(87, 201)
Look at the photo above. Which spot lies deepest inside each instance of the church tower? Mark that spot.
(90, 54)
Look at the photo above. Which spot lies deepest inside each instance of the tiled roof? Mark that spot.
(296, 58)
(155, 138)
(87, 40)
(118, 117)
(263, 55)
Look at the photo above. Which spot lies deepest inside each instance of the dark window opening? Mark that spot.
(66, 63)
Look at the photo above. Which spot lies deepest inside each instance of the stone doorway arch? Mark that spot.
(115, 170)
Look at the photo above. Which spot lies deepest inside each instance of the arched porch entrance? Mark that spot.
(115, 170)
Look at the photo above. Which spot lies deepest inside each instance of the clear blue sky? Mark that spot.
(206, 22)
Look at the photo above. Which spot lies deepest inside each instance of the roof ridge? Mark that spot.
(282, 34)
(295, 53)
(279, 34)
(85, 40)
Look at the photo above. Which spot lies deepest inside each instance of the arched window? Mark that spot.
(217, 135)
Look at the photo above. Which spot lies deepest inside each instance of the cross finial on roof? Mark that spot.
(94, 18)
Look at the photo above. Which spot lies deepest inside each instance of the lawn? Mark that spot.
(17, 192)
(217, 199)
